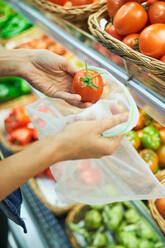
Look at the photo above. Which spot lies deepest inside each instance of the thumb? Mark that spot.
(113, 121)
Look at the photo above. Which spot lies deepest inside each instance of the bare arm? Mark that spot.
(17, 169)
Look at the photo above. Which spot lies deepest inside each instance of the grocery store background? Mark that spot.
(68, 32)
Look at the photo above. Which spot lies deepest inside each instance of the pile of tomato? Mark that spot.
(140, 24)
(70, 3)
(148, 138)
(44, 42)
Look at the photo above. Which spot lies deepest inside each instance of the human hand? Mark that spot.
(83, 139)
(50, 74)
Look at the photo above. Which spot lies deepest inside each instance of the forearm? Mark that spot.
(12, 61)
(19, 168)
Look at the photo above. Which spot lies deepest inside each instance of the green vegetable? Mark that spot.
(151, 138)
(97, 207)
(146, 244)
(145, 231)
(5, 13)
(115, 246)
(128, 239)
(16, 25)
(8, 92)
(100, 240)
(127, 204)
(132, 216)
(93, 219)
(24, 88)
(113, 216)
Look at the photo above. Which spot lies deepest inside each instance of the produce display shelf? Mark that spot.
(148, 90)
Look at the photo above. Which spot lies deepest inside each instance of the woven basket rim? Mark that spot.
(86, 6)
(55, 209)
(127, 52)
(153, 209)
(70, 217)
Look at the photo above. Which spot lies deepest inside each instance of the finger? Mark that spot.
(111, 144)
(68, 96)
(69, 68)
(115, 108)
(113, 121)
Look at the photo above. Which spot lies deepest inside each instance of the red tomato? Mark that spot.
(151, 158)
(68, 4)
(90, 90)
(49, 174)
(60, 2)
(161, 155)
(160, 204)
(85, 164)
(130, 18)
(162, 134)
(163, 58)
(91, 176)
(114, 5)
(80, 2)
(132, 40)
(152, 41)
(110, 29)
(140, 123)
(156, 12)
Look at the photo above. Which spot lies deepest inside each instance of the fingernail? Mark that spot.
(124, 117)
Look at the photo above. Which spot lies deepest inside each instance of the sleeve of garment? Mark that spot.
(11, 207)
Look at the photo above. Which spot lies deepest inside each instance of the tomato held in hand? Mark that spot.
(161, 155)
(110, 29)
(88, 84)
(160, 204)
(130, 18)
(151, 158)
(156, 12)
(152, 41)
(132, 40)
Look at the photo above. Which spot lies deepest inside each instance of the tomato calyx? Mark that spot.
(88, 80)
(136, 44)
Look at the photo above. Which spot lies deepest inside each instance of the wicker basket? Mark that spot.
(150, 64)
(76, 215)
(72, 14)
(55, 209)
(153, 209)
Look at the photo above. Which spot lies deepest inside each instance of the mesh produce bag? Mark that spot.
(121, 176)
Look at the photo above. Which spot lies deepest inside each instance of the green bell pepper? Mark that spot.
(8, 92)
(15, 26)
(132, 216)
(146, 244)
(113, 216)
(151, 138)
(93, 219)
(5, 13)
(100, 240)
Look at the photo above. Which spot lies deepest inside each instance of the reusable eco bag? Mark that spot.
(119, 177)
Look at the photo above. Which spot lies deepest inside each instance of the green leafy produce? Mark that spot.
(146, 244)
(128, 239)
(145, 231)
(151, 138)
(97, 207)
(100, 240)
(15, 26)
(113, 216)
(132, 216)
(115, 246)
(93, 219)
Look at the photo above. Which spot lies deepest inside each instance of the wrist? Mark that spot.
(12, 62)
